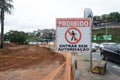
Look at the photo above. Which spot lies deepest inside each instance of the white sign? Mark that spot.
(73, 34)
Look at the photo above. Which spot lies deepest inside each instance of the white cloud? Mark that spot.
(31, 15)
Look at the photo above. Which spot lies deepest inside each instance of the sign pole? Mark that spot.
(91, 61)
(74, 64)
(91, 64)
(89, 14)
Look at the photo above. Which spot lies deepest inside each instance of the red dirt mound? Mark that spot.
(10, 45)
(26, 56)
(28, 62)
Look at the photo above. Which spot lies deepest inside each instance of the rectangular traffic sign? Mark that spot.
(73, 34)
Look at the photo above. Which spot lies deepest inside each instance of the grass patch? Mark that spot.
(86, 60)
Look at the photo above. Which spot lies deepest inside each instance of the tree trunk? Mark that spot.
(2, 29)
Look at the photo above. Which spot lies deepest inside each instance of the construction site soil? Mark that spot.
(27, 62)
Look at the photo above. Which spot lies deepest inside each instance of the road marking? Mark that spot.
(116, 67)
(95, 59)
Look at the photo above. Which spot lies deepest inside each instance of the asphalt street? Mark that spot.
(111, 66)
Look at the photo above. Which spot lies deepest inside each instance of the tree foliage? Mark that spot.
(111, 17)
(18, 37)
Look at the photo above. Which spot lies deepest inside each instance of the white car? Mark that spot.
(102, 45)
(94, 48)
(96, 45)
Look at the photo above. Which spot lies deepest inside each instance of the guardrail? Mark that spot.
(70, 67)
(67, 73)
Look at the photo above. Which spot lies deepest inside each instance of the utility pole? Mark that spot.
(89, 14)
(106, 31)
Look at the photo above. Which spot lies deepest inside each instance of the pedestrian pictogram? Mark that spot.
(73, 35)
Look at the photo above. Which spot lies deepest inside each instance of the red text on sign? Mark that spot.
(73, 23)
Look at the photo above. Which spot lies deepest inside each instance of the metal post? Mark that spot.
(91, 64)
(106, 31)
(73, 64)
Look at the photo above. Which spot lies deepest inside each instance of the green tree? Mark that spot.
(18, 37)
(5, 7)
(114, 17)
(105, 17)
(96, 18)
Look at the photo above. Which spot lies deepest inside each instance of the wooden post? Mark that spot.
(91, 64)
(73, 63)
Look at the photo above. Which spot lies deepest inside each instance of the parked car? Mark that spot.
(111, 52)
(96, 45)
(102, 45)
(94, 48)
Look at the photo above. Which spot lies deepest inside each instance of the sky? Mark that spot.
(30, 15)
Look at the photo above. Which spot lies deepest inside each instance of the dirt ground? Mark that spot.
(26, 62)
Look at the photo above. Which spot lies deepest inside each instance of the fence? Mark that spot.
(66, 74)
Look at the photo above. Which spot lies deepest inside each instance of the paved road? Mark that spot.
(114, 68)
(111, 66)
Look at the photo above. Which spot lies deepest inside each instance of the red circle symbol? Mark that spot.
(73, 35)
